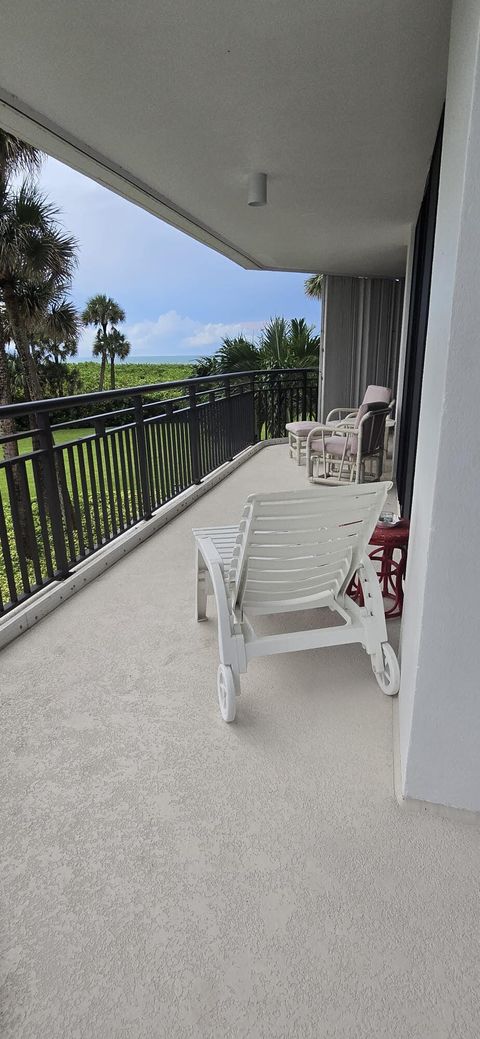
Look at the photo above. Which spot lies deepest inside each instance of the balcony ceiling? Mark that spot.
(172, 104)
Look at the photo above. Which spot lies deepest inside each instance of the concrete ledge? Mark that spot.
(412, 804)
(45, 601)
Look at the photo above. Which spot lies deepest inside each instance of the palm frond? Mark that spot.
(237, 354)
(17, 156)
(101, 311)
(274, 343)
(60, 323)
(314, 286)
(205, 366)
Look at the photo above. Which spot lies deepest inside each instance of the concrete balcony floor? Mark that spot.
(167, 875)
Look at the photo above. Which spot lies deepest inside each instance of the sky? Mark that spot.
(180, 297)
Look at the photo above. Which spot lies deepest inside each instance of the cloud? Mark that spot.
(212, 334)
(171, 333)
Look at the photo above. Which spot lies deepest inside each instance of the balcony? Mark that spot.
(166, 874)
(77, 473)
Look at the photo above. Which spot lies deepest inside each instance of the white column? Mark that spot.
(439, 702)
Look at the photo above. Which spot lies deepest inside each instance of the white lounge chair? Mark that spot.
(294, 551)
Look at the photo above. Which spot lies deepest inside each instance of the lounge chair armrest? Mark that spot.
(209, 552)
(225, 617)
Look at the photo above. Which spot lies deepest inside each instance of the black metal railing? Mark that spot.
(68, 488)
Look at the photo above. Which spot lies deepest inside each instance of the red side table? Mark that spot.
(387, 539)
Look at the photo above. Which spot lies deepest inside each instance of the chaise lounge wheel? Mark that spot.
(226, 692)
(389, 678)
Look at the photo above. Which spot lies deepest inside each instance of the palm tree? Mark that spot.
(117, 346)
(7, 428)
(304, 345)
(238, 354)
(274, 343)
(15, 156)
(6, 397)
(36, 265)
(281, 344)
(104, 313)
(205, 366)
(60, 327)
(54, 340)
(289, 344)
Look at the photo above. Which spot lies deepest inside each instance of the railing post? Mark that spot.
(305, 383)
(254, 433)
(228, 411)
(142, 458)
(194, 435)
(273, 400)
(53, 503)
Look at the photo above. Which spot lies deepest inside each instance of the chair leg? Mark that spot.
(380, 464)
(309, 464)
(201, 588)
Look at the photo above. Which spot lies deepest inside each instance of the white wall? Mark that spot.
(440, 691)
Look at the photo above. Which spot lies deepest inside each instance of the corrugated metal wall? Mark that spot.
(362, 319)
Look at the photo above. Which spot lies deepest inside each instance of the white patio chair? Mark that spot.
(342, 452)
(338, 417)
(294, 551)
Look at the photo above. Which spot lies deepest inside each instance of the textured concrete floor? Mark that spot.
(166, 875)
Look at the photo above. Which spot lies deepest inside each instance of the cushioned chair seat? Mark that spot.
(335, 446)
(301, 429)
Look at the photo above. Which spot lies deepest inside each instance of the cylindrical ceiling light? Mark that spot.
(257, 189)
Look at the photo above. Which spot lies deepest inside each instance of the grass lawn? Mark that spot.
(93, 517)
(62, 436)
(90, 516)
(94, 520)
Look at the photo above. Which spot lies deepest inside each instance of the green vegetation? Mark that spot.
(281, 344)
(129, 374)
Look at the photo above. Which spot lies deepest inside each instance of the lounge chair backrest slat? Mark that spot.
(295, 548)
